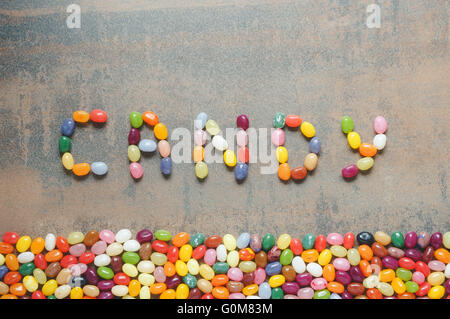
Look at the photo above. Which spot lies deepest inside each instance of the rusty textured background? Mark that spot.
(177, 58)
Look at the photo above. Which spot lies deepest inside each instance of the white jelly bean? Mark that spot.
(50, 242)
(298, 264)
(131, 245)
(102, 260)
(123, 235)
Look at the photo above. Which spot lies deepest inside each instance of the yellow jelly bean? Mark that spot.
(30, 283)
(276, 281)
(49, 287)
(168, 294)
(158, 259)
(382, 238)
(40, 276)
(160, 131)
(386, 275)
(67, 161)
(37, 246)
(233, 258)
(436, 278)
(181, 268)
(130, 270)
(185, 253)
(365, 163)
(75, 237)
(282, 154)
(398, 285)
(325, 257)
(229, 158)
(146, 279)
(134, 287)
(144, 293)
(212, 127)
(193, 266)
(128, 297)
(134, 154)
(436, 292)
(250, 289)
(385, 289)
(182, 291)
(230, 242)
(23, 244)
(76, 293)
(206, 271)
(283, 241)
(354, 140)
(371, 282)
(2, 260)
(338, 251)
(353, 256)
(308, 129)
(247, 266)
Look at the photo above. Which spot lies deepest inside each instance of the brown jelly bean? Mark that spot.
(379, 250)
(116, 264)
(248, 278)
(355, 289)
(213, 241)
(195, 293)
(427, 255)
(53, 269)
(261, 259)
(63, 277)
(145, 251)
(91, 238)
(288, 273)
(235, 286)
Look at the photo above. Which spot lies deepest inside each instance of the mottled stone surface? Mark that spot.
(177, 58)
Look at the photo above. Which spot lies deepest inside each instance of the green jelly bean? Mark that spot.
(163, 235)
(278, 120)
(322, 294)
(268, 242)
(136, 119)
(277, 293)
(403, 274)
(220, 268)
(397, 239)
(197, 239)
(105, 272)
(411, 286)
(64, 144)
(286, 257)
(308, 241)
(130, 257)
(190, 281)
(51, 297)
(27, 269)
(347, 124)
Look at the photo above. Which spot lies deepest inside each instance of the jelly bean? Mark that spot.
(201, 170)
(243, 154)
(349, 171)
(278, 137)
(349, 240)
(134, 154)
(229, 158)
(166, 166)
(299, 173)
(436, 240)
(212, 127)
(307, 129)
(354, 140)
(284, 172)
(164, 148)
(365, 163)
(446, 240)
(368, 150)
(380, 125)
(311, 161)
(11, 262)
(23, 244)
(81, 116)
(241, 171)
(98, 116)
(379, 141)
(397, 239)
(293, 120)
(241, 138)
(279, 120)
(347, 124)
(64, 144)
(436, 292)
(150, 118)
(68, 127)
(81, 169)
(315, 145)
(136, 119)
(335, 239)
(49, 287)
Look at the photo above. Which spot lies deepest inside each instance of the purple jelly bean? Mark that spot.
(273, 268)
(144, 236)
(303, 279)
(436, 240)
(105, 295)
(414, 254)
(410, 239)
(105, 285)
(242, 122)
(389, 262)
(91, 276)
(447, 286)
(173, 282)
(346, 295)
(356, 274)
(350, 171)
(134, 136)
(116, 264)
(343, 277)
(290, 288)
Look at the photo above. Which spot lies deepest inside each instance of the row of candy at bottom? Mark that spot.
(107, 265)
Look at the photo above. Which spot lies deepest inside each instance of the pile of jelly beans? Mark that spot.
(105, 265)
(65, 143)
(311, 159)
(136, 145)
(367, 150)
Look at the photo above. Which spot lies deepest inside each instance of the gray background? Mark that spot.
(177, 58)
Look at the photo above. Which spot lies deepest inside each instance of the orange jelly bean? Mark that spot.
(335, 287)
(293, 120)
(158, 288)
(11, 262)
(53, 256)
(6, 248)
(81, 116)
(443, 255)
(329, 273)
(365, 268)
(310, 255)
(37, 245)
(374, 293)
(150, 118)
(284, 172)
(386, 275)
(198, 154)
(366, 252)
(368, 150)
(169, 269)
(219, 280)
(12, 277)
(18, 289)
(406, 295)
(8, 296)
(81, 169)
(220, 292)
(168, 294)
(180, 239)
(246, 254)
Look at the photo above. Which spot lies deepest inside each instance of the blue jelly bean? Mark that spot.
(264, 291)
(3, 271)
(273, 268)
(166, 165)
(315, 145)
(240, 171)
(68, 127)
(243, 240)
(200, 121)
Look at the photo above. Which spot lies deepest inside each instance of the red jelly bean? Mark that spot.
(293, 120)
(12, 278)
(121, 279)
(10, 237)
(37, 295)
(374, 293)
(406, 263)
(62, 244)
(423, 268)
(172, 254)
(350, 171)
(296, 246)
(423, 289)
(208, 296)
(40, 262)
(321, 243)
(349, 240)
(98, 116)
(199, 252)
(86, 257)
(160, 246)
(68, 260)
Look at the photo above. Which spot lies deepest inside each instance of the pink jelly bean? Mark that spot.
(107, 236)
(341, 264)
(235, 274)
(99, 247)
(260, 276)
(210, 257)
(136, 170)
(241, 138)
(380, 125)
(436, 265)
(243, 154)
(77, 269)
(290, 297)
(350, 171)
(319, 283)
(159, 274)
(199, 137)
(335, 239)
(278, 137)
(236, 295)
(418, 277)
(305, 293)
(77, 250)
